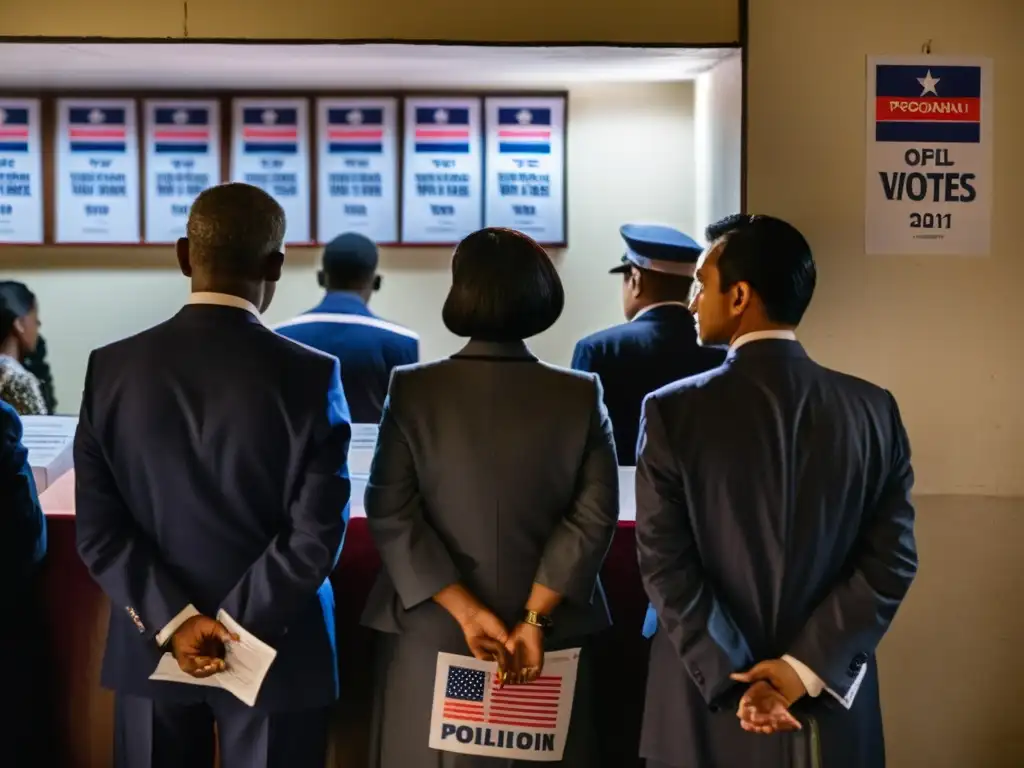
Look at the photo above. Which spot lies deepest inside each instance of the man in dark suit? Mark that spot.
(22, 548)
(211, 474)
(774, 525)
(343, 325)
(658, 343)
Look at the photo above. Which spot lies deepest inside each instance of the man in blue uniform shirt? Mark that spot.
(658, 344)
(343, 325)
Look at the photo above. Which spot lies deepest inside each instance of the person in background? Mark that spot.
(19, 334)
(780, 538)
(35, 362)
(658, 344)
(343, 325)
(22, 548)
(211, 474)
(492, 499)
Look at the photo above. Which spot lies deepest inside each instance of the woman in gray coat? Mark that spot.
(492, 499)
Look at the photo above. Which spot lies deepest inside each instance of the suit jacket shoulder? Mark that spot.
(600, 341)
(439, 370)
(298, 351)
(695, 386)
(10, 423)
(570, 376)
(870, 393)
(148, 342)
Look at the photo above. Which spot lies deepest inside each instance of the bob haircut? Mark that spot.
(504, 288)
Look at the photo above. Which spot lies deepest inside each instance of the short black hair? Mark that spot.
(349, 262)
(504, 287)
(773, 257)
(16, 300)
(231, 228)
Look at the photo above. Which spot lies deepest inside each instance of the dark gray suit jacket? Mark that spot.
(773, 517)
(210, 468)
(497, 470)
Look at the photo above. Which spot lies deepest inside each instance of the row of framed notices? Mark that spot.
(420, 170)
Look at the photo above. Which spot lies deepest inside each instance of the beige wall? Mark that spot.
(718, 140)
(943, 333)
(90, 297)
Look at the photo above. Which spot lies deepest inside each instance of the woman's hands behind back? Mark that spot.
(525, 647)
(486, 636)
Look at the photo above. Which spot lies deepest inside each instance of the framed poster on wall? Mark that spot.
(182, 159)
(270, 150)
(357, 168)
(442, 182)
(929, 155)
(21, 172)
(525, 166)
(97, 171)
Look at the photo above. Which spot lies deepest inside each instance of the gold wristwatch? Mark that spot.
(536, 620)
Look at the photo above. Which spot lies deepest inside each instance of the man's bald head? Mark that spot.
(232, 229)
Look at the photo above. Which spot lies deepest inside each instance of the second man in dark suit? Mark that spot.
(211, 474)
(342, 325)
(658, 344)
(774, 527)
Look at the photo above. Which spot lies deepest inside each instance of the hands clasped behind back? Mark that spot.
(199, 646)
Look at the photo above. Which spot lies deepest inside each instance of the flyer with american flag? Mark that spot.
(472, 715)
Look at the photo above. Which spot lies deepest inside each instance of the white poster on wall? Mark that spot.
(97, 171)
(357, 168)
(182, 159)
(270, 150)
(21, 172)
(929, 155)
(525, 166)
(442, 184)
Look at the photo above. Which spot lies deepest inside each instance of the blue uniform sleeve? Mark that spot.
(301, 557)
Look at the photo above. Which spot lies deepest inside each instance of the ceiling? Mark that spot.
(392, 66)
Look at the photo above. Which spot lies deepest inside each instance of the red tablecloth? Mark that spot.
(77, 612)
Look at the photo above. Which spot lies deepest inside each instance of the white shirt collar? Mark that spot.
(649, 307)
(223, 300)
(746, 338)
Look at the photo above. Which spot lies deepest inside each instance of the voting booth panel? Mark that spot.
(49, 442)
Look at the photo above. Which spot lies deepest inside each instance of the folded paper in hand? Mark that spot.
(248, 659)
(473, 716)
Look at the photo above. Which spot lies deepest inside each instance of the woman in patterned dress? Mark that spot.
(19, 334)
